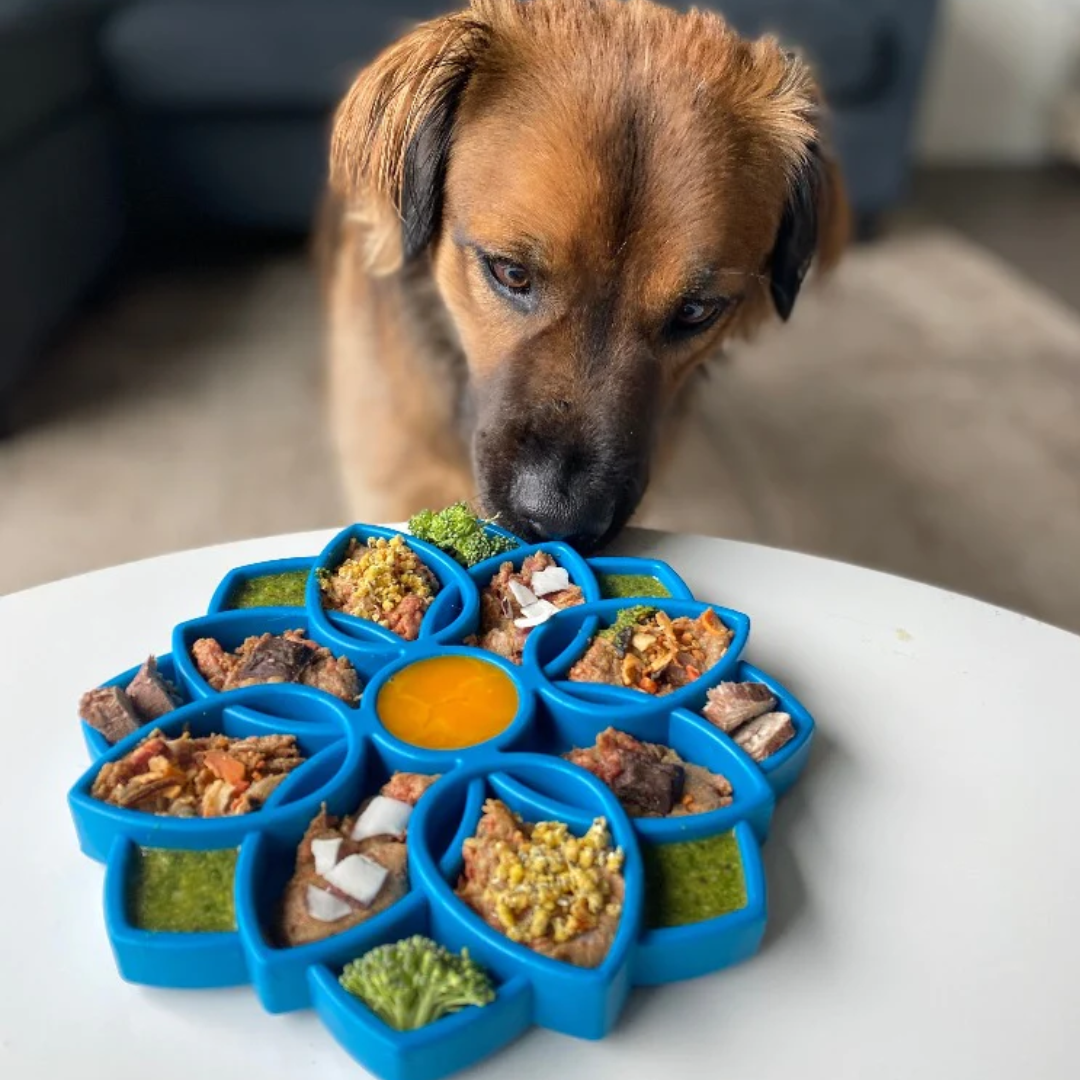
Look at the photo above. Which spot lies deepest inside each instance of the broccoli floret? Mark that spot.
(414, 982)
(460, 533)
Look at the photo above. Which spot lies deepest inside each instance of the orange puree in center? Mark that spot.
(447, 702)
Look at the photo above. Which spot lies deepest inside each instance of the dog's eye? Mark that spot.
(695, 312)
(510, 275)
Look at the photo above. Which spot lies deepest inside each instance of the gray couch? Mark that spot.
(224, 105)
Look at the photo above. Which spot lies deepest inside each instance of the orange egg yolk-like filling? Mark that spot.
(447, 702)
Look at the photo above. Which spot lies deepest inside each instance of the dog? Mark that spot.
(545, 216)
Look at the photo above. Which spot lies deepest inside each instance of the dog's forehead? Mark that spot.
(596, 166)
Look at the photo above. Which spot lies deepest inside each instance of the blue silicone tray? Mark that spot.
(350, 755)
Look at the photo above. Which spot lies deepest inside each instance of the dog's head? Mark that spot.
(605, 191)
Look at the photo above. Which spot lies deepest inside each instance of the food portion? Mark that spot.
(448, 702)
(651, 780)
(631, 586)
(270, 590)
(747, 712)
(412, 983)
(212, 776)
(558, 894)
(460, 533)
(187, 892)
(693, 881)
(116, 712)
(516, 601)
(646, 650)
(276, 658)
(349, 869)
(384, 581)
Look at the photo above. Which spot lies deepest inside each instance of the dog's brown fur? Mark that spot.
(615, 146)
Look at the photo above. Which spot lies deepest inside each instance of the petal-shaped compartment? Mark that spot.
(565, 557)
(434, 752)
(586, 698)
(186, 960)
(237, 580)
(684, 952)
(628, 567)
(696, 741)
(449, 617)
(96, 743)
(268, 861)
(784, 767)
(230, 629)
(324, 736)
(579, 1001)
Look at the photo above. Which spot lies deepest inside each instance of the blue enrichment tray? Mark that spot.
(350, 755)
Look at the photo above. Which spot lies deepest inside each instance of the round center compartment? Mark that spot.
(448, 702)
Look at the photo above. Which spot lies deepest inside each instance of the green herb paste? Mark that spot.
(621, 586)
(183, 891)
(693, 881)
(271, 590)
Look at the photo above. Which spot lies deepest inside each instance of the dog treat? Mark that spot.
(651, 780)
(276, 658)
(211, 776)
(349, 869)
(646, 650)
(384, 581)
(731, 704)
(510, 604)
(764, 735)
(117, 712)
(558, 894)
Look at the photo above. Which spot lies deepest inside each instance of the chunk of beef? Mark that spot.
(110, 711)
(151, 693)
(335, 675)
(272, 660)
(649, 787)
(730, 704)
(764, 735)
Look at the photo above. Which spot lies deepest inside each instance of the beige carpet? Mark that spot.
(919, 414)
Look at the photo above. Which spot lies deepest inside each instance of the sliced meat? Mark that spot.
(335, 675)
(731, 704)
(764, 735)
(271, 660)
(649, 788)
(110, 711)
(151, 693)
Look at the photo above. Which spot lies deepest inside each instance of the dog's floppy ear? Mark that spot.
(816, 220)
(392, 134)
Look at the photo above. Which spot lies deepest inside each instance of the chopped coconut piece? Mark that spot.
(325, 853)
(358, 877)
(324, 906)
(382, 817)
(550, 579)
(522, 593)
(535, 614)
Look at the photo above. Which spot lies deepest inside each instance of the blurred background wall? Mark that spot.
(160, 164)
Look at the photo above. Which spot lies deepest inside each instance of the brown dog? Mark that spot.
(550, 213)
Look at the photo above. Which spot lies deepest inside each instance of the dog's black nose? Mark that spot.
(556, 501)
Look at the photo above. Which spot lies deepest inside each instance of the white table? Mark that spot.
(924, 875)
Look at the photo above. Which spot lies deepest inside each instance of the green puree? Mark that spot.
(693, 881)
(620, 586)
(183, 891)
(271, 590)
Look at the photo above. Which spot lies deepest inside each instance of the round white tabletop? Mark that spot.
(923, 876)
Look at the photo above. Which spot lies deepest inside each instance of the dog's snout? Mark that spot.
(554, 500)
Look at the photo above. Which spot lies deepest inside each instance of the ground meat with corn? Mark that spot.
(558, 894)
(384, 581)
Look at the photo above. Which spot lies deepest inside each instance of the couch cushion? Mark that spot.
(47, 61)
(191, 56)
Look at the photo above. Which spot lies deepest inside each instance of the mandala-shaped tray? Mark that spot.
(350, 754)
